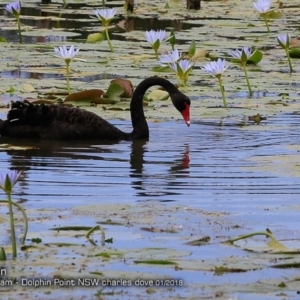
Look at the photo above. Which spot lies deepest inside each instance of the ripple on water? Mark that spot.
(211, 170)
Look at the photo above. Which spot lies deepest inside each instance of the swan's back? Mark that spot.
(29, 120)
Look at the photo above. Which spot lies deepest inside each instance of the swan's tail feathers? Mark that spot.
(25, 119)
(26, 113)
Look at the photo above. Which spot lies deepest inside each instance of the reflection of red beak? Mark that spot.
(186, 114)
(186, 160)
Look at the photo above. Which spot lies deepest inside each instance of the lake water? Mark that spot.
(206, 180)
(152, 198)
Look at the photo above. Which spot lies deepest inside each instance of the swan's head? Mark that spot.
(182, 104)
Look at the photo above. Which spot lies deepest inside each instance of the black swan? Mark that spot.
(27, 120)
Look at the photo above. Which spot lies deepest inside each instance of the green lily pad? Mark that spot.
(126, 85)
(255, 58)
(274, 14)
(294, 53)
(114, 90)
(158, 95)
(95, 37)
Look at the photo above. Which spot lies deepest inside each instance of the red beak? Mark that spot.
(186, 114)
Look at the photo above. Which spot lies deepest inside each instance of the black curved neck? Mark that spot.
(139, 123)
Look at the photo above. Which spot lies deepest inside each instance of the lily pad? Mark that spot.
(274, 14)
(294, 53)
(95, 37)
(126, 85)
(158, 95)
(91, 96)
(255, 58)
(114, 91)
(28, 87)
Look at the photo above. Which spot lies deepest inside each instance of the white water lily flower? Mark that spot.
(66, 54)
(242, 57)
(105, 14)
(170, 58)
(262, 6)
(284, 40)
(153, 36)
(182, 69)
(14, 7)
(238, 53)
(7, 181)
(182, 66)
(216, 68)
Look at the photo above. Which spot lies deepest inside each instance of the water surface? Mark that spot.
(198, 181)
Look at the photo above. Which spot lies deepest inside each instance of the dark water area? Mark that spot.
(73, 21)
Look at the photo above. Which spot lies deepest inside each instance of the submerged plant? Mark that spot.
(284, 42)
(67, 56)
(217, 68)
(105, 15)
(15, 9)
(155, 38)
(7, 182)
(264, 8)
(242, 56)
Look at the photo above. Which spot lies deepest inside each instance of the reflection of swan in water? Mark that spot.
(56, 149)
(147, 183)
(61, 169)
(183, 162)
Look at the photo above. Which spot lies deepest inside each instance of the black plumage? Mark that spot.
(27, 120)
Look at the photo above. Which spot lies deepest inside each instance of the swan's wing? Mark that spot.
(56, 122)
